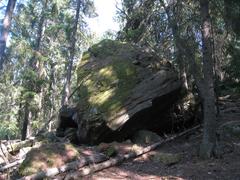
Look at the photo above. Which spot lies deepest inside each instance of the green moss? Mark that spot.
(110, 151)
(106, 86)
(86, 56)
(166, 158)
(108, 47)
(47, 156)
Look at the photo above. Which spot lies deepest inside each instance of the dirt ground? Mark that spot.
(191, 167)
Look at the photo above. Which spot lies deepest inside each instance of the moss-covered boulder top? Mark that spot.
(118, 80)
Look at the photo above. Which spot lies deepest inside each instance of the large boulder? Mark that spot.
(122, 89)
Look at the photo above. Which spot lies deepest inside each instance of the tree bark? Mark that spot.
(67, 85)
(177, 41)
(53, 93)
(5, 30)
(35, 65)
(10, 165)
(25, 122)
(209, 113)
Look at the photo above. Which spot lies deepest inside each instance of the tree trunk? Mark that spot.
(177, 41)
(53, 93)
(25, 121)
(5, 29)
(67, 85)
(35, 65)
(209, 112)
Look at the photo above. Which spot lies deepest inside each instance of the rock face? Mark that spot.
(123, 89)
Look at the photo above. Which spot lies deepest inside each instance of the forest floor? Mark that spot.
(191, 167)
(188, 167)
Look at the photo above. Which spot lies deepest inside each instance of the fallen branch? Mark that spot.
(119, 159)
(221, 98)
(4, 153)
(75, 165)
(19, 145)
(11, 165)
(14, 163)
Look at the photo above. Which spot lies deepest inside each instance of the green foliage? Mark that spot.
(85, 56)
(110, 151)
(234, 52)
(9, 129)
(145, 23)
(134, 34)
(34, 75)
(232, 15)
(9, 98)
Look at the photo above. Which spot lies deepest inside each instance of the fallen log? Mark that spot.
(4, 153)
(21, 157)
(221, 98)
(11, 148)
(69, 166)
(119, 159)
(11, 165)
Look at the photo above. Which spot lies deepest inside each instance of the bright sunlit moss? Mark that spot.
(106, 88)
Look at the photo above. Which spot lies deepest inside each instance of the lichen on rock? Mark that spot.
(166, 158)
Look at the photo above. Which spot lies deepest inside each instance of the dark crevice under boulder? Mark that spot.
(123, 89)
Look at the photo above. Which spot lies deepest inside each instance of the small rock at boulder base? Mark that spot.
(115, 148)
(166, 158)
(118, 96)
(145, 137)
(230, 131)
